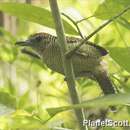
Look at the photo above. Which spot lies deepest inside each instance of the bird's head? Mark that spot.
(38, 42)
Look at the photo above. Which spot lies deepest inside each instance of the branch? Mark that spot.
(67, 63)
(75, 24)
(70, 53)
(79, 21)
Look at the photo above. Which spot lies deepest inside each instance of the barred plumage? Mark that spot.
(86, 60)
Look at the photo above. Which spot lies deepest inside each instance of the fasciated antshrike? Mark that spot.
(87, 60)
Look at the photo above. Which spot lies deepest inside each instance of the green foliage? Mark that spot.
(121, 56)
(8, 34)
(34, 14)
(23, 101)
(124, 22)
(107, 8)
(102, 101)
(7, 100)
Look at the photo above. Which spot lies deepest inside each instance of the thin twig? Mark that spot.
(75, 23)
(79, 21)
(70, 53)
(67, 63)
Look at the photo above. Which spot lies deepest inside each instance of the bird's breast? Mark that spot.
(53, 59)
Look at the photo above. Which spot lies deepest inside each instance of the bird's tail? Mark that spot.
(105, 83)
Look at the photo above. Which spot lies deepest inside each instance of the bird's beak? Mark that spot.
(23, 43)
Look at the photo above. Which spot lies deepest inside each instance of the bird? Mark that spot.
(87, 61)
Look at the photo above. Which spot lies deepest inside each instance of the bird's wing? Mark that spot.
(87, 49)
(102, 50)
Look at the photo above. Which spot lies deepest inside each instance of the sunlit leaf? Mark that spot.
(7, 103)
(124, 23)
(8, 34)
(121, 56)
(7, 100)
(34, 14)
(27, 121)
(109, 8)
(117, 99)
(60, 128)
(8, 53)
(4, 110)
(23, 101)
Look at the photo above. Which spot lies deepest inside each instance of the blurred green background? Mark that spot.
(28, 87)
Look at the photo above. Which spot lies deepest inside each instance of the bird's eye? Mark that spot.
(39, 38)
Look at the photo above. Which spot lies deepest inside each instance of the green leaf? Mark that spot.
(124, 23)
(7, 103)
(25, 122)
(60, 128)
(7, 100)
(8, 34)
(4, 110)
(29, 120)
(34, 14)
(121, 55)
(23, 101)
(109, 8)
(115, 99)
